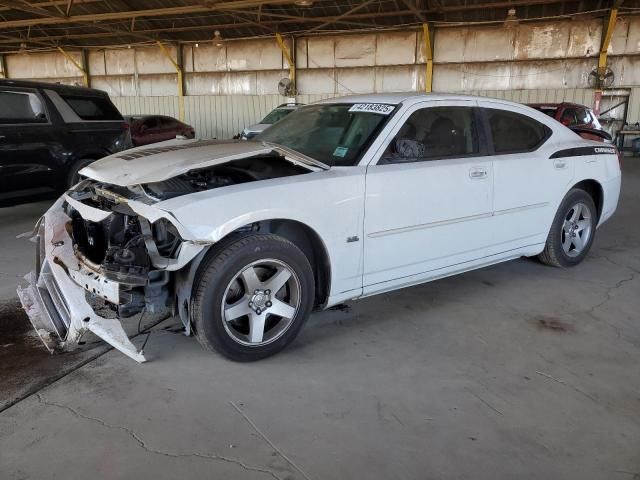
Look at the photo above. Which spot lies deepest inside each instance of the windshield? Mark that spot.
(336, 135)
(276, 115)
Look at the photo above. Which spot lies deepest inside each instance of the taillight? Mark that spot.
(126, 126)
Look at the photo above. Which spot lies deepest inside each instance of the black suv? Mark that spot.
(48, 132)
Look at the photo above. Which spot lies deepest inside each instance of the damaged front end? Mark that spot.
(108, 243)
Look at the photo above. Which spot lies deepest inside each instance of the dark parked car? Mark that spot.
(572, 115)
(146, 129)
(48, 132)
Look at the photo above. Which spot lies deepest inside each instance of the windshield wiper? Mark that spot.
(301, 157)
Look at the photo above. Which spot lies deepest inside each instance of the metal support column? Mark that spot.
(602, 57)
(85, 62)
(81, 68)
(428, 55)
(177, 64)
(290, 61)
(3, 67)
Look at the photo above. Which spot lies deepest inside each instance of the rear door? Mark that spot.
(93, 126)
(428, 198)
(27, 143)
(527, 181)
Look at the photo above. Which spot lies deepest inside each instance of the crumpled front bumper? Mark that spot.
(55, 304)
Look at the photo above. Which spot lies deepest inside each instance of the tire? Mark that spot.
(572, 231)
(72, 175)
(232, 297)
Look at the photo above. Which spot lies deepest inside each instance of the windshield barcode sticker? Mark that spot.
(379, 108)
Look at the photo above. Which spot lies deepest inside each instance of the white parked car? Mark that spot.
(272, 117)
(340, 200)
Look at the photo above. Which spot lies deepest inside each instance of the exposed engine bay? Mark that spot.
(116, 244)
(128, 249)
(118, 249)
(241, 171)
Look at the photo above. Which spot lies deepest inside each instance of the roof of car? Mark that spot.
(556, 105)
(144, 117)
(290, 106)
(58, 87)
(409, 97)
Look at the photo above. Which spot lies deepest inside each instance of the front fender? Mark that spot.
(331, 203)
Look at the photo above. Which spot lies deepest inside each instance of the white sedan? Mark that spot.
(340, 200)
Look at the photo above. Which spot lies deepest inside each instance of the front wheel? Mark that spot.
(252, 297)
(572, 231)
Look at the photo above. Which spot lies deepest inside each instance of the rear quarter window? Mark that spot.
(513, 132)
(21, 107)
(92, 108)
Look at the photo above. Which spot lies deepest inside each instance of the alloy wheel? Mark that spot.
(576, 230)
(260, 302)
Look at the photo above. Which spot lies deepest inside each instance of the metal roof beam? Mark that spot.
(411, 4)
(55, 3)
(301, 19)
(30, 8)
(340, 17)
(156, 12)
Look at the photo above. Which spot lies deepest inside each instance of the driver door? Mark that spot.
(428, 198)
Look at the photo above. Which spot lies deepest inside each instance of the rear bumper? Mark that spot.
(53, 300)
(611, 194)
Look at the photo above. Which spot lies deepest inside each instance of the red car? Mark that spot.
(572, 115)
(146, 129)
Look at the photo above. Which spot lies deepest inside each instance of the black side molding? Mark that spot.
(583, 151)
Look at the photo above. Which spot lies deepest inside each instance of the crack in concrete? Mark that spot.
(608, 298)
(484, 401)
(142, 443)
(571, 386)
(628, 267)
(267, 439)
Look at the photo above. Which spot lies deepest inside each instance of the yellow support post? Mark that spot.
(290, 61)
(606, 38)
(83, 70)
(602, 57)
(179, 71)
(428, 54)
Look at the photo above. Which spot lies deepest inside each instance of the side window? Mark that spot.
(151, 122)
(568, 117)
(582, 116)
(167, 122)
(92, 108)
(513, 132)
(434, 133)
(21, 107)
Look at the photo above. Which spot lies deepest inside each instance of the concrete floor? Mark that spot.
(514, 371)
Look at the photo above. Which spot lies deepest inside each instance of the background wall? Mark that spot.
(235, 85)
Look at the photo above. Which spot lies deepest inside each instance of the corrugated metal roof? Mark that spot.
(39, 24)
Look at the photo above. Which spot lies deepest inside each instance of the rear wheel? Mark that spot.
(572, 232)
(252, 297)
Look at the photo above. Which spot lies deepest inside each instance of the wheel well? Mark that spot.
(307, 240)
(594, 189)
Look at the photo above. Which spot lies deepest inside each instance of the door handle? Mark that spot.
(477, 173)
